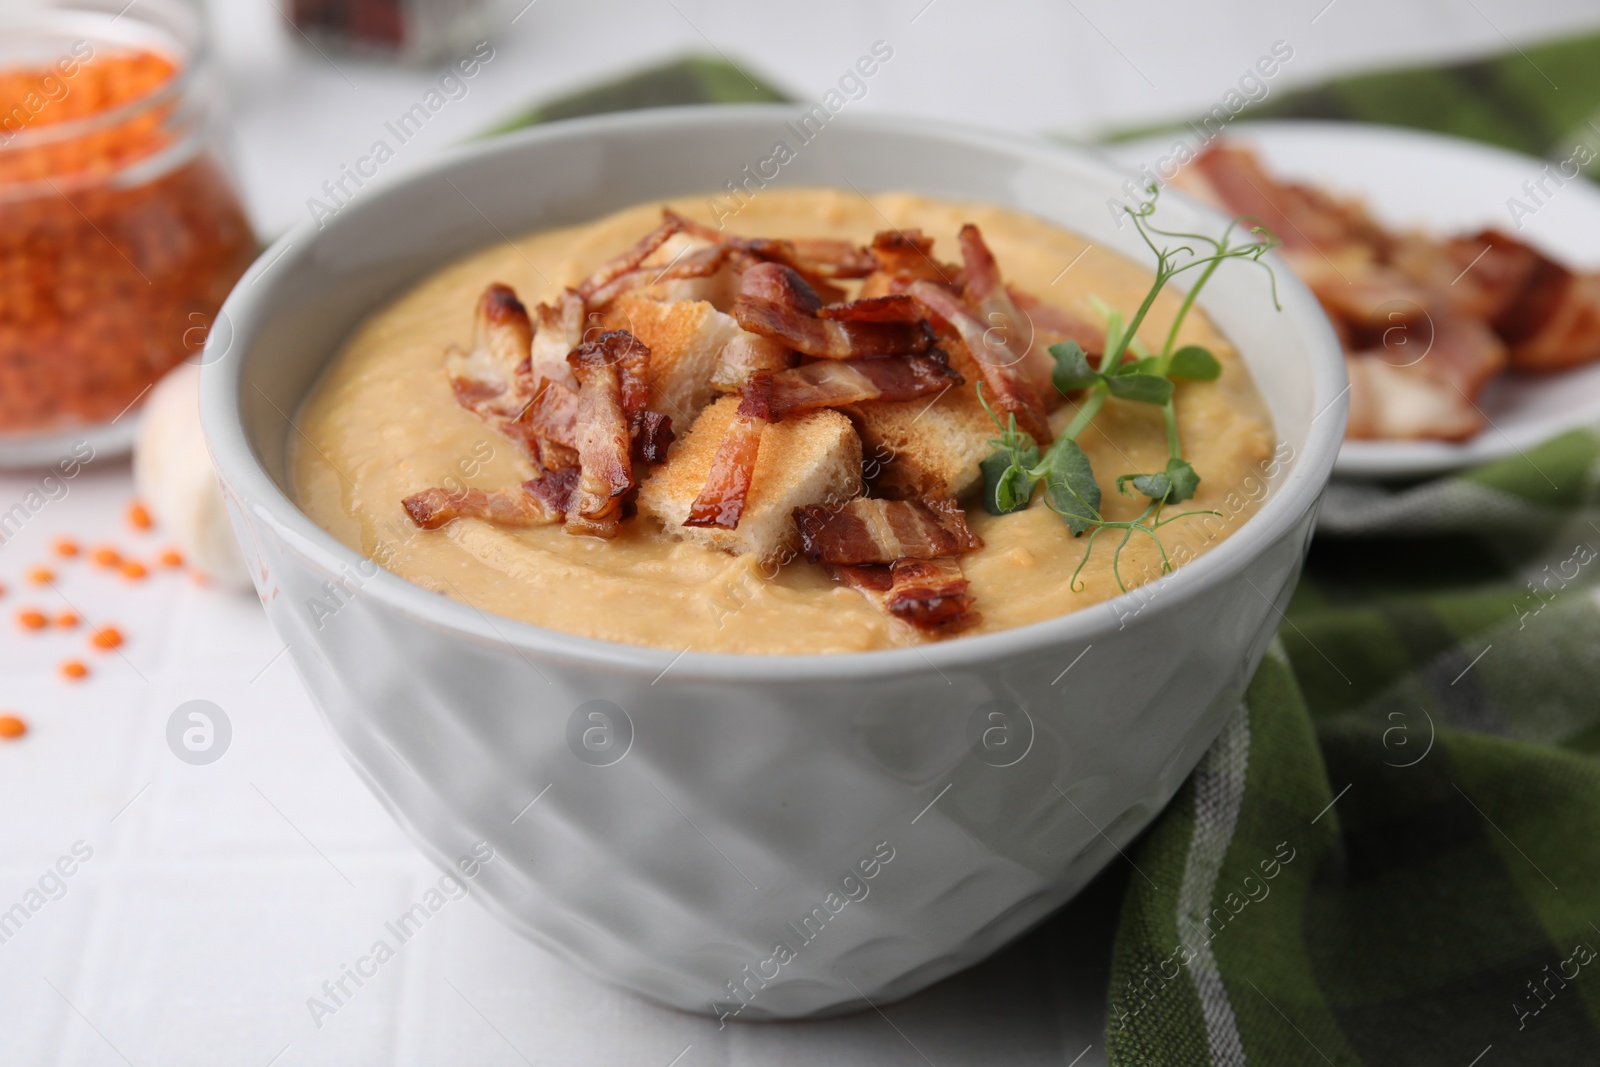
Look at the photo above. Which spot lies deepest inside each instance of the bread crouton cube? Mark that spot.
(685, 339)
(804, 459)
(917, 448)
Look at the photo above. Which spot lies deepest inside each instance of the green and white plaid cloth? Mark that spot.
(1392, 854)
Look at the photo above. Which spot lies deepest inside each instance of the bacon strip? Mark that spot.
(1432, 396)
(611, 388)
(775, 301)
(1297, 215)
(987, 295)
(700, 263)
(560, 331)
(652, 436)
(815, 257)
(832, 258)
(909, 254)
(721, 502)
(931, 595)
(837, 382)
(866, 530)
(485, 380)
(891, 307)
(630, 260)
(1053, 323)
(549, 417)
(1010, 386)
(521, 506)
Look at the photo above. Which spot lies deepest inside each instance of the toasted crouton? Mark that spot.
(805, 459)
(922, 449)
(685, 340)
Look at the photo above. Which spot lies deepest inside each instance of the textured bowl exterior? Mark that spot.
(754, 837)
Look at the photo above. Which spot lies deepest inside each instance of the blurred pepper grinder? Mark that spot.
(415, 31)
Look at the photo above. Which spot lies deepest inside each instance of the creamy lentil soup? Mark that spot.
(385, 425)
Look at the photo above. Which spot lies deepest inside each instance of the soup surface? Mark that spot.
(383, 424)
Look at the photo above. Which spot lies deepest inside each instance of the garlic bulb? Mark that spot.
(173, 476)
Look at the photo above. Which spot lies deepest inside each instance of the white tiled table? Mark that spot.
(219, 898)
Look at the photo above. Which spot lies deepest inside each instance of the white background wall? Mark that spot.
(1066, 66)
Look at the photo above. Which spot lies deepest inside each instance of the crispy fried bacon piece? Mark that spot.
(1549, 315)
(987, 295)
(1298, 215)
(1011, 388)
(835, 383)
(815, 257)
(1053, 323)
(630, 260)
(485, 380)
(722, 501)
(701, 262)
(1424, 396)
(652, 436)
(891, 307)
(560, 331)
(908, 254)
(868, 530)
(611, 390)
(831, 258)
(776, 301)
(548, 424)
(931, 595)
(541, 502)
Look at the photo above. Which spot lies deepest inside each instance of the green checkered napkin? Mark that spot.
(1392, 854)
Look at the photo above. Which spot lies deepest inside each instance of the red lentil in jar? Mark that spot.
(120, 235)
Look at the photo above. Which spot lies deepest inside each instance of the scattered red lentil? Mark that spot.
(134, 569)
(66, 547)
(139, 517)
(68, 620)
(106, 556)
(74, 670)
(41, 575)
(12, 727)
(107, 637)
(32, 620)
(172, 558)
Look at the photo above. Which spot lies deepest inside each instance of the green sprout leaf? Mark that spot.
(1184, 480)
(1194, 363)
(1177, 483)
(1155, 486)
(1070, 488)
(1007, 485)
(1143, 388)
(1072, 368)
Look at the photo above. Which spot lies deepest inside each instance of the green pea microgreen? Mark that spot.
(1017, 467)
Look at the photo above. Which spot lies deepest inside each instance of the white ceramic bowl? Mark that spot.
(724, 799)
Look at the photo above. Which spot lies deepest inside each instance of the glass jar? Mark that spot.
(120, 232)
(418, 31)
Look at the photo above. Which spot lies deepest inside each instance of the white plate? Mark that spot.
(1444, 184)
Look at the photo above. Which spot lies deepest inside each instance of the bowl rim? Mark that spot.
(222, 387)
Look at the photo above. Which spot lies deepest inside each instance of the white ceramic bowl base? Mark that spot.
(751, 788)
